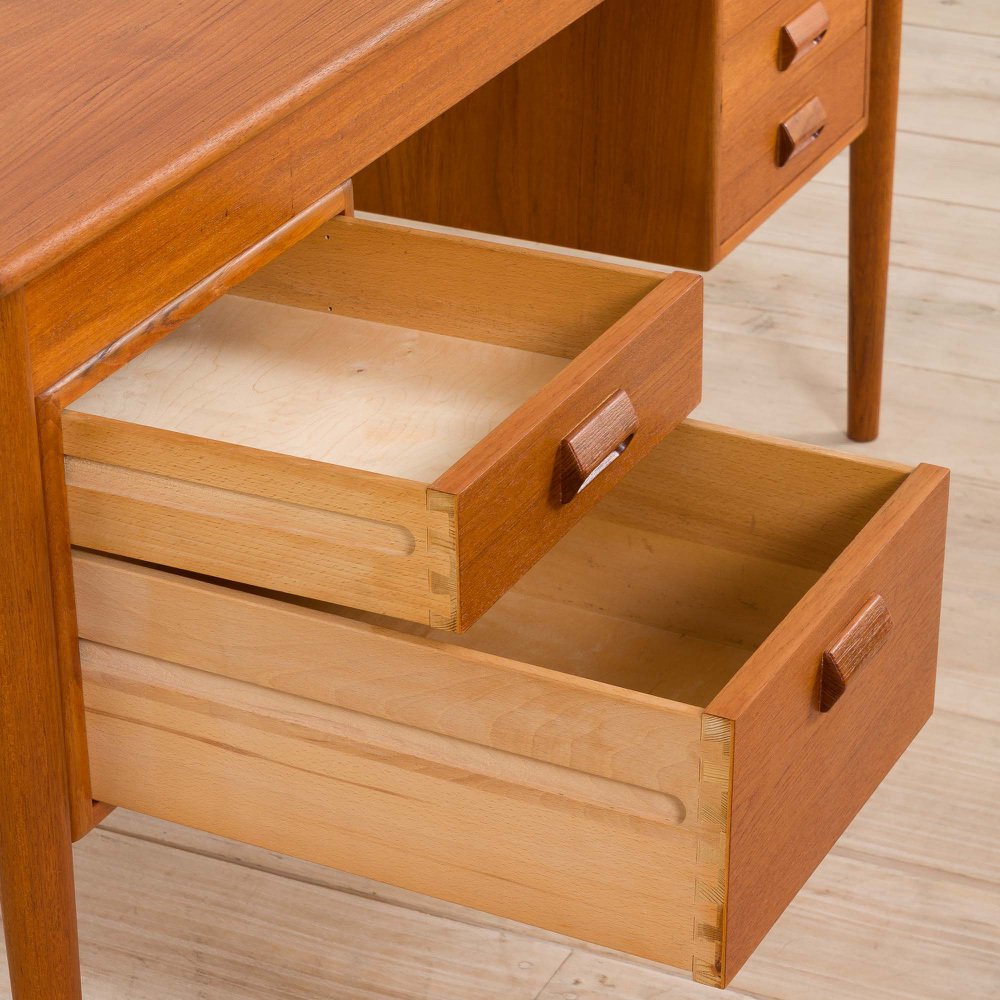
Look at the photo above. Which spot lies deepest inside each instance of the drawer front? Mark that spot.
(527, 484)
(781, 44)
(645, 709)
(393, 420)
(770, 118)
(801, 769)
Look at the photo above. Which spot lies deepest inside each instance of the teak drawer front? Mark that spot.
(752, 172)
(755, 62)
(629, 748)
(385, 418)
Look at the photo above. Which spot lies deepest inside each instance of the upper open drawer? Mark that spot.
(391, 419)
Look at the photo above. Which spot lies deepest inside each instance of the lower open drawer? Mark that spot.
(649, 743)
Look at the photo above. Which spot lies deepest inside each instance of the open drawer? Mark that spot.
(391, 419)
(648, 743)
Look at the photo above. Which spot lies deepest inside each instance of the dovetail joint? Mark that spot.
(712, 852)
(442, 560)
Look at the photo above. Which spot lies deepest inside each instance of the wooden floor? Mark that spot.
(908, 903)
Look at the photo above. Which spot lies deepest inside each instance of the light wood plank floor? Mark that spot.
(908, 903)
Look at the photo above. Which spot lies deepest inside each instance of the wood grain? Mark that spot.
(36, 862)
(595, 584)
(752, 62)
(794, 503)
(862, 640)
(735, 15)
(365, 444)
(921, 855)
(545, 301)
(751, 175)
(181, 91)
(872, 167)
(481, 698)
(50, 451)
(504, 834)
(681, 179)
(784, 820)
(389, 558)
(507, 488)
(545, 153)
(325, 388)
(239, 208)
(110, 350)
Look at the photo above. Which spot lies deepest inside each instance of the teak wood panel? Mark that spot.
(544, 151)
(751, 175)
(509, 508)
(81, 308)
(36, 860)
(158, 469)
(180, 90)
(254, 177)
(532, 300)
(751, 63)
(735, 15)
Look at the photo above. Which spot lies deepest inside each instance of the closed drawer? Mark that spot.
(631, 747)
(768, 86)
(781, 43)
(394, 420)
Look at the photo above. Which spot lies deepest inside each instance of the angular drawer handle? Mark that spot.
(595, 443)
(862, 639)
(802, 35)
(801, 130)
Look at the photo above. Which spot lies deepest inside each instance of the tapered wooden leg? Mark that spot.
(872, 162)
(36, 863)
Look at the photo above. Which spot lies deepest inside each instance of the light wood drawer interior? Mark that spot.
(378, 417)
(628, 748)
(758, 96)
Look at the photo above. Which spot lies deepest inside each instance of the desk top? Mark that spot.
(107, 105)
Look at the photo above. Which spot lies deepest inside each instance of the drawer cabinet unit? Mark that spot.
(391, 419)
(680, 125)
(648, 743)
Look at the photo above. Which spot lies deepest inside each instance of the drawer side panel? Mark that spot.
(586, 857)
(262, 519)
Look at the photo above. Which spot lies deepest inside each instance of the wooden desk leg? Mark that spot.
(872, 161)
(36, 861)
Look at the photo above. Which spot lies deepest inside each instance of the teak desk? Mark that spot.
(160, 155)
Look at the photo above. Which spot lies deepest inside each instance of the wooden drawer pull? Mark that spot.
(595, 443)
(863, 638)
(802, 35)
(801, 130)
